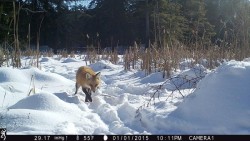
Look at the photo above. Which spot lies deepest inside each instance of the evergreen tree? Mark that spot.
(6, 14)
(169, 23)
(231, 20)
(111, 21)
(199, 31)
(141, 11)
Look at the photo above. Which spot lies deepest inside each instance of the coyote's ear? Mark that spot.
(88, 76)
(98, 74)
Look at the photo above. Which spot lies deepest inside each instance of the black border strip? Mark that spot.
(127, 138)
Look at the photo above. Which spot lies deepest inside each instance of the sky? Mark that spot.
(82, 2)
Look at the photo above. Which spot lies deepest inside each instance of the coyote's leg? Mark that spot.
(87, 92)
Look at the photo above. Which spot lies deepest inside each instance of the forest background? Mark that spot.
(76, 24)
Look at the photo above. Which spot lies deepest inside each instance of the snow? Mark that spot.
(220, 104)
(42, 101)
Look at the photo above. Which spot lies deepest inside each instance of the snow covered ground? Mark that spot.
(42, 101)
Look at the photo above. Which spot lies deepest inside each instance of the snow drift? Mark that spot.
(220, 104)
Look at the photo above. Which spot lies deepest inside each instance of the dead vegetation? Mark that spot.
(168, 59)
